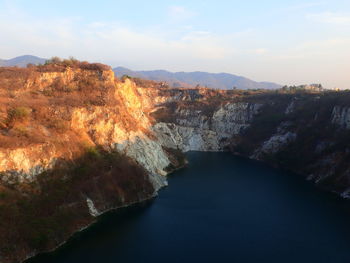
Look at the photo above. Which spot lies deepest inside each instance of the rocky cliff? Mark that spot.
(75, 142)
(305, 132)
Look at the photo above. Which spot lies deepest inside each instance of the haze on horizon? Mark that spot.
(288, 42)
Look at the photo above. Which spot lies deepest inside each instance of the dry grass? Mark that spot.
(32, 109)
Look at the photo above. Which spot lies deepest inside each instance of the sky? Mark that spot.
(290, 42)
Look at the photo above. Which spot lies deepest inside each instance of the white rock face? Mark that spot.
(24, 164)
(186, 138)
(149, 154)
(233, 118)
(192, 118)
(290, 108)
(195, 131)
(276, 142)
(341, 116)
(281, 138)
(92, 209)
(346, 194)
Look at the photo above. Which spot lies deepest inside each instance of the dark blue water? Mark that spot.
(221, 209)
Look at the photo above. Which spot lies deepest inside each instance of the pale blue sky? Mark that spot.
(289, 42)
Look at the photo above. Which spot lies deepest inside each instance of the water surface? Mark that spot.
(221, 208)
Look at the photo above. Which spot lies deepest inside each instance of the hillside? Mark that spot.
(76, 142)
(22, 61)
(192, 79)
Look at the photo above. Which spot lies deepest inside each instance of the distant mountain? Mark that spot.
(22, 61)
(174, 79)
(191, 79)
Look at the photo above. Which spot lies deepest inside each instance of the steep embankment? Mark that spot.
(76, 142)
(306, 132)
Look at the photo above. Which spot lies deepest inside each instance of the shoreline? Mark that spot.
(339, 195)
(31, 257)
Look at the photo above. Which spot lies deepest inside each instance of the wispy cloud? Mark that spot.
(179, 13)
(178, 43)
(330, 18)
(323, 48)
(107, 41)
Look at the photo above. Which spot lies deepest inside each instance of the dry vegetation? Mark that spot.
(57, 64)
(34, 106)
(45, 213)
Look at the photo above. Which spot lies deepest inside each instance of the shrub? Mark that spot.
(3, 124)
(93, 152)
(3, 195)
(59, 125)
(53, 60)
(124, 77)
(70, 62)
(21, 131)
(48, 92)
(56, 64)
(18, 114)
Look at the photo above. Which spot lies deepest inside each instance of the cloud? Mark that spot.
(251, 52)
(334, 48)
(119, 41)
(330, 18)
(179, 13)
(107, 41)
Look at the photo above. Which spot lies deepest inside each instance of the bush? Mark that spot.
(18, 114)
(59, 125)
(3, 124)
(56, 64)
(21, 131)
(124, 77)
(53, 60)
(92, 152)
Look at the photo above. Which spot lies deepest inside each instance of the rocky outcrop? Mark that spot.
(341, 116)
(274, 144)
(234, 118)
(78, 120)
(24, 164)
(194, 131)
(288, 131)
(123, 127)
(186, 138)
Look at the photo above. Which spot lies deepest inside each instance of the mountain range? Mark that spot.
(22, 61)
(174, 79)
(192, 79)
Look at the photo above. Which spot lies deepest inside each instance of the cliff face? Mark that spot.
(60, 124)
(76, 142)
(194, 131)
(305, 132)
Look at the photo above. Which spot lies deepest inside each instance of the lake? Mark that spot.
(221, 208)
